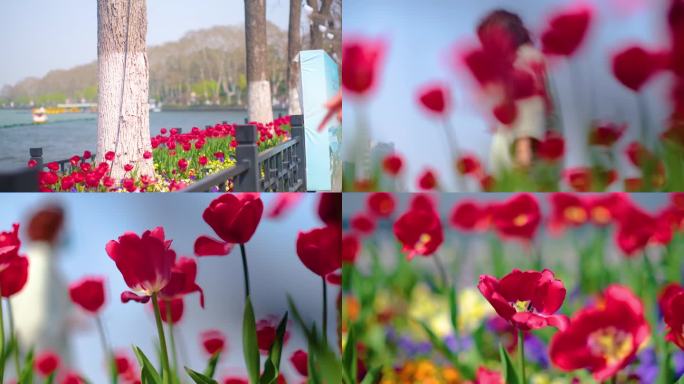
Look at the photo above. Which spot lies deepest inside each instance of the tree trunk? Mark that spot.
(294, 45)
(123, 123)
(259, 105)
(319, 17)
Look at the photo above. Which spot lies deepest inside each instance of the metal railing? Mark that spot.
(278, 169)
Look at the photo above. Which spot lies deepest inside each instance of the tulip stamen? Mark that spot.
(611, 343)
(601, 215)
(522, 306)
(521, 220)
(575, 214)
(421, 245)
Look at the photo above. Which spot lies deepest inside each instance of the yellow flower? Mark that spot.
(472, 309)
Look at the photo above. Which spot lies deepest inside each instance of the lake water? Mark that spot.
(68, 134)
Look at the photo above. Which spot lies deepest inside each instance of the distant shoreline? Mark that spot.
(211, 108)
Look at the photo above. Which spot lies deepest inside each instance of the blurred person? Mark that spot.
(514, 145)
(41, 310)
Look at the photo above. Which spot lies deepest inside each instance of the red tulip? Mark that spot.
(634, 67)
(566, 32)
(671, 302)
(469, 216)
(32, 163)
(320, 249)
(47, 363)
(147, 155)
(203, 160)
(567, 209)
(419, 231)
(87, 155)
(213, 341)
(125, 367)
(234, 218)
(637, 228)
(183, 275)
(283, 203)
(528, 300)
(128, 167)
(88, 293)
(360, 65)
(552, 148)
(13, 276)
(235, 380)
(72, 378)
(606, 134)
(488, 376)
(423, 201)
(392, 164)
(74, 160)
(468, 165)
(52, 166)
(176, 308)
(435, 98)
(145, 262)
(579, 179)
(182, 164)
(299, 360)
(109, 156)
(381, 204)
(350, 248)
(517, 217)
(603, 338)
(362, 224)
(427, 180)
(506, 112)
(129, 185)
(266, 333)
(330, 208)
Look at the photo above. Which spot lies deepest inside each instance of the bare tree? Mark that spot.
(123, 124)
(259, 105)
(320, 20)
(294, 45)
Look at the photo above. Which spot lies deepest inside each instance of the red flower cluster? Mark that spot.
(602, 338)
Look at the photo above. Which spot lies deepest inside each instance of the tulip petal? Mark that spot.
(206, 246)
(127, 296)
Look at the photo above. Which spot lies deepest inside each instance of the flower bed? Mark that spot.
(179, 160)
(573, 289)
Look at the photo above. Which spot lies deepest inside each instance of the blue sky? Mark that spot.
(37, 36)
(420, 36)
(275, 271)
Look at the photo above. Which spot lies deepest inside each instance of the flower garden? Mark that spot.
(522, 288)
(179, 160)
(654, 158)
(163, 281)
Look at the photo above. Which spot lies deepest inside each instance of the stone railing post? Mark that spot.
(37, 155)
(297, 132)
(247, 152)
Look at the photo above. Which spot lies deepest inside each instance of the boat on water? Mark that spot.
(39, 115)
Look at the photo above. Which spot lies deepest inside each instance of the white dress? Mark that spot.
(531, 120)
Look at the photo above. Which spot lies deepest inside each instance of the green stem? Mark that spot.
(325, 311)
(245, 269)
(442, 270)
(166, 371)
(107, 350)
(13, 337)
(521, 343)
(2, 345)
(172, 339)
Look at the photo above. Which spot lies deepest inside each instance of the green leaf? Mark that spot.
(26, 376)
(51, 378)
(508, 371)
(349, 356)
(441, 346)
(371, 376)
(272, 364)
(211, 366)
(199, 378)
(250, 347)
(453, 308)
(149, 372)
